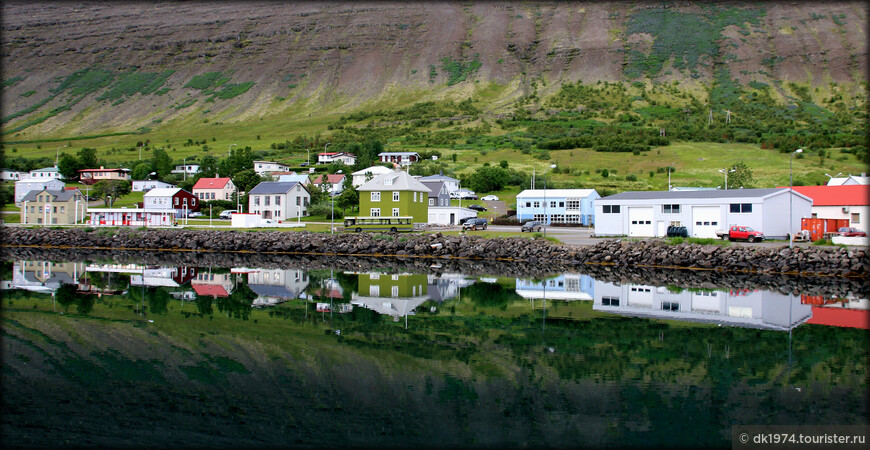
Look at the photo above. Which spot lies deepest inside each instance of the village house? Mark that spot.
(451, 183)
(850, 202)
(175, 199)
(278, 200)
(147, 185)
(45, 173)
(331, 157)
(91, 176)
(568, 206)
(186, 169)
(267, 167)
(399, 158)
(25, 185)
(395, 194)
(53, 207)
(649, 213)
(360, 177)
(333, 183)
(214, 189)
(11, 175)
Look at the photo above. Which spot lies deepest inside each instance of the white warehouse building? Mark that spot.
(649, 213)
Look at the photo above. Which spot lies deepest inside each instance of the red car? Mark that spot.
(850, 231)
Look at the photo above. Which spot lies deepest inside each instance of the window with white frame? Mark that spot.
(394, 291)
(395, 212)
(610, 209)
(537, 204)
(572, 204)
(856, 218)
(553, 204)
(256, 200)
(431, 202)
(670, 209)
(376, 196)
(266, 200)
(375, 212)
(277, 200)
(396, 196)
(741, 208)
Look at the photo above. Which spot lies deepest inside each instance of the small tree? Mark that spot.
(741, 177)
(110, 190)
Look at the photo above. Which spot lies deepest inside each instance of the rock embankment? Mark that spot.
(837, 261)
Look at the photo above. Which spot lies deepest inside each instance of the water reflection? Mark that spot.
(286, 355)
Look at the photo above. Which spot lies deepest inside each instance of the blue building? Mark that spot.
(557, 206)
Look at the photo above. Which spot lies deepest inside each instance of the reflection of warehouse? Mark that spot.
(45, 276)
(396, 295)
(274, 286)
(569, 286)
(838, 312)
(163, 276)
(744, 308)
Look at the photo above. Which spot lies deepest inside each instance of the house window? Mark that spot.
(374, 290)
(431, 202)
(63, 209)
(256, 200)
(670, 306)
(528, 204)
(375, 212)
(572, 204)
(856, 218)
(388, 182)
(610, 301)
(376, 196)
(395, 212)
(176, 201)
(394, 291)
(277, 200)
(396, 196)
(610, 209)
(266, 200)
(537, 204)
(741, 208)
(552, 204)
(298, 201)
(561, 204)
(671, 209)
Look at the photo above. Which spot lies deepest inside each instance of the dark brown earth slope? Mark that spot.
(338, 55)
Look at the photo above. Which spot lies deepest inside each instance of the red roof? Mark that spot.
(840, 317)
(211, 183)
(335, 178)
(852, 195)
(211, 290)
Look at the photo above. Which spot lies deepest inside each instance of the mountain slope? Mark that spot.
(83, 68)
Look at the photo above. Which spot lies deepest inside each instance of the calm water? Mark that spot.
(106, 353)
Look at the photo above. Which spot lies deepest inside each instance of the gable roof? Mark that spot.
(434, 186)
(333, 178)
(556, 193)
(162, 192)
(676, 195)
(850, 180)
(374, 170)
(46, 169)
(275, 187)
(852, 195)
(211, 183)
(105, 169)
(400, 181)
(57, 196)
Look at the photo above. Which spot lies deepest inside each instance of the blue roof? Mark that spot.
(273, 187)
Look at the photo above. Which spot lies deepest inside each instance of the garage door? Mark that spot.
(640, 221)
(705, 221)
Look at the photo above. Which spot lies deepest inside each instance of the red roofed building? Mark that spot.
(840, 317)
(336, 180)
(850, 202)
(214, 189)
(209, 290)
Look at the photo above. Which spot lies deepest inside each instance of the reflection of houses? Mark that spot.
(569, 286)
(274, 286)
(446, 286)
(744, 308)
(163, 276)
(45, 276)
(395, 295)
(213, 285)
(851, 313)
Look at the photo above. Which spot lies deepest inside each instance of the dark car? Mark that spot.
(474, 224)
(532, 225)
(476, 208)
(677, 231)
(850, 231)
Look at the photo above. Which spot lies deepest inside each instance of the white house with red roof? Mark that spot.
(331, 157)
(850, 202)
(333, 183)
(207, 189)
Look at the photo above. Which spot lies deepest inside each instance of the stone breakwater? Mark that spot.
(821, 261)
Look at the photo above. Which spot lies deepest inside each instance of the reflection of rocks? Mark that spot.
(705, 279)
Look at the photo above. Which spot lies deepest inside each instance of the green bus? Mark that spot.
(393, 224)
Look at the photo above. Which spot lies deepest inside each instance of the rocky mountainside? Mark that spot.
(98, 67)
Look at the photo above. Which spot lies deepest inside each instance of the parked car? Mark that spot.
(740, 232)
(474, 224)
(532, 225)
(463, 194)
(489, 198)
(850, 231)
(225, 214)
(677, 231)
(195, 214)
(476, 208)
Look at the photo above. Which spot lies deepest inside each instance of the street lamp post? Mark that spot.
(308, 156)
(726, 172)
(230, 147)
(332, 227)
(831, 177)
(790, 195)
(57, 155)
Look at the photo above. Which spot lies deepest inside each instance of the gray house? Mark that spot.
(439, 195)
(649, 213)
(279, 200)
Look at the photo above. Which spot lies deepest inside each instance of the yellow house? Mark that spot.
(53, 207)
